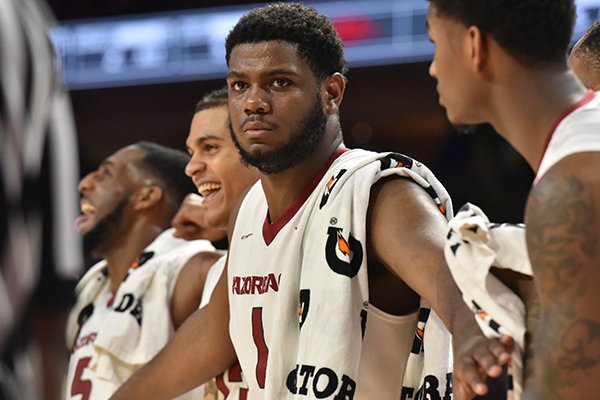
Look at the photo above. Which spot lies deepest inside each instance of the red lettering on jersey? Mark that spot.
(84, 341)
(242, 285)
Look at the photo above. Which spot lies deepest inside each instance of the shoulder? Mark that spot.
(562, 218)
(187, 292)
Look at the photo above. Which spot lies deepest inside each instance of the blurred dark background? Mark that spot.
(387, 108)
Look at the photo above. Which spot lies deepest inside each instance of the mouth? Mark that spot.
(208, 188)
(87, 211)
(256, 129)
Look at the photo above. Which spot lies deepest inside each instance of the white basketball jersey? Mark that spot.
(298, 291)
(114, 334)
(576, 131)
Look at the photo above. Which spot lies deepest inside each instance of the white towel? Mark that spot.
(474, 245)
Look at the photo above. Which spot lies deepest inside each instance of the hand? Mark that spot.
(476, 359)
(189, 222)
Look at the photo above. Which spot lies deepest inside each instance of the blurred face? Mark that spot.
(215, 165)
(275, 107)
(105, 194)
(451, 68)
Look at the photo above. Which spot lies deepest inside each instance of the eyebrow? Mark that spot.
(204, 138)
(106, 163)
(273, 72)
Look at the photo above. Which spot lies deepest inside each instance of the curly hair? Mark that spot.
(532, 31)
(313, 34)
(167, 165)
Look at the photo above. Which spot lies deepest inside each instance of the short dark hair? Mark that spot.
(168, 166)
(313, 34)
(216, 98)
(588, 49)
(532, 31)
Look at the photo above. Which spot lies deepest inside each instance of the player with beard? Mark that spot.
(130, 303)
(306, 318)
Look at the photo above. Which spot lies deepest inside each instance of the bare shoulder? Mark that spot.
(563, 239)
(190, 283)
(563, 221)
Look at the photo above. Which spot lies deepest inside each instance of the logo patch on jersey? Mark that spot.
(142, 259)
(330, 185)
(246, 236)
(395, 160)
(303, 306)
(343, 256)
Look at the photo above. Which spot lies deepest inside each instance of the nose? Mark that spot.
(195, 165)
(87, 182)
(256, 102)
(432, 69)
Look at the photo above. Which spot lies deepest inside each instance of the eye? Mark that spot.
(280, 83)
(237, 85)
(209, 148)
(105, 171)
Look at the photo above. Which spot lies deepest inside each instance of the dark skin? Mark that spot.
(146, 215)
(269, 84)
(563, 247)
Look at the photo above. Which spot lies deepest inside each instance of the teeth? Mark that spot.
(87, 208)
(207, 188)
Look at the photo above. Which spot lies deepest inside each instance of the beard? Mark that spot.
(97, 237)
(308, 135)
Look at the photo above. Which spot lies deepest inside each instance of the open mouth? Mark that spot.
(87, 210)
(208, 188)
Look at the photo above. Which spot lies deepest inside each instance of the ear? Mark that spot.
(478, 48)
(147, 197)
(334, 87)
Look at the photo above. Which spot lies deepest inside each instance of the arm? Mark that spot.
(200, 350)
(418, 230)
(563, 237)
(189, 286)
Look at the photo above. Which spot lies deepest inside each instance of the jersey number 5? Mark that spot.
(81, 386)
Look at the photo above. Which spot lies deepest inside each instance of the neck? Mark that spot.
(282, 189)
(527, 108)
(126, 247)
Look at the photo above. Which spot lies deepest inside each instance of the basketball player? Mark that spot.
(504, 63)
(217, 171)
(584, 59)
(147, 283)
(297, 286)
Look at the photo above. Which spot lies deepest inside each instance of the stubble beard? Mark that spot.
(309, 134)
(95, 241)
